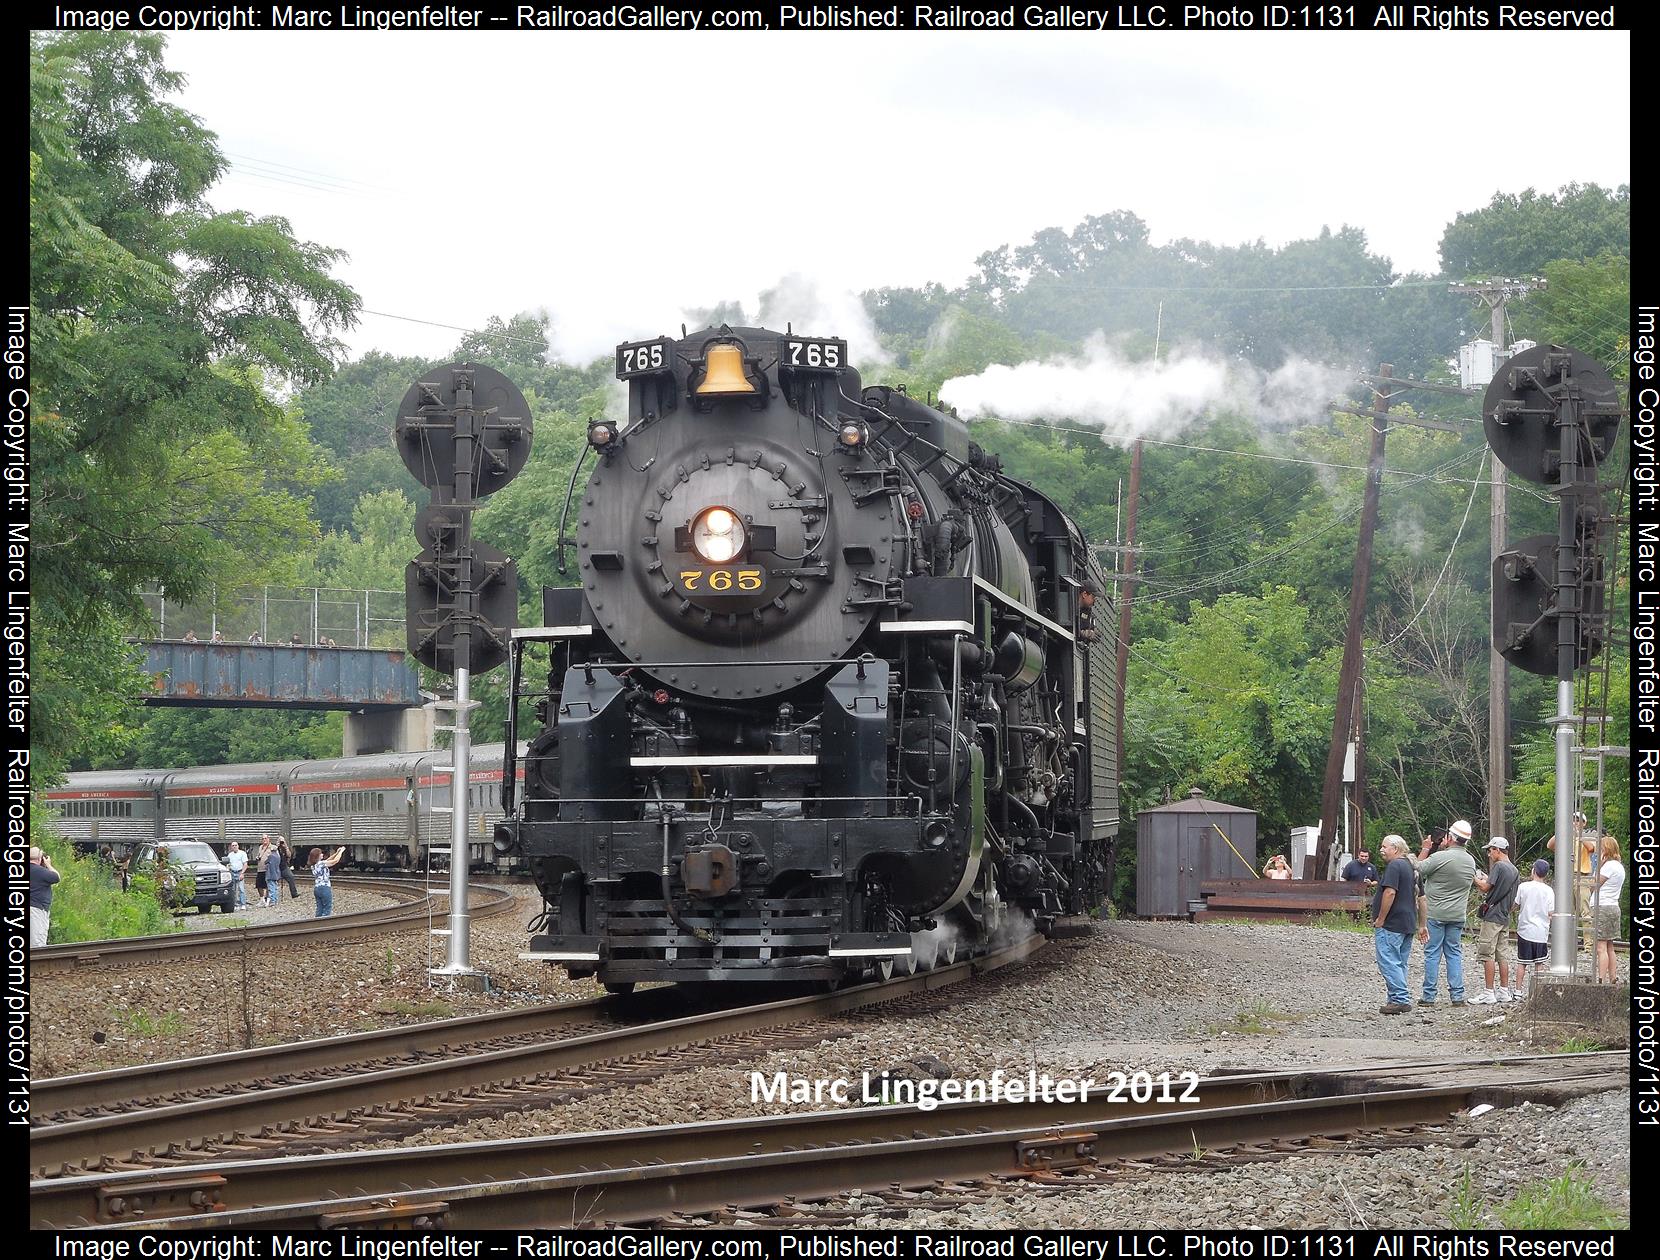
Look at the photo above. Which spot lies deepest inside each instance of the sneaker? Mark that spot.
(1503, 995)
(1484, 998)
(1394, 1008)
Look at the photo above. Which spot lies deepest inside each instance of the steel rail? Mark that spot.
(121, 1088)
(238, 1185)
(61, 1147)
(412, 907)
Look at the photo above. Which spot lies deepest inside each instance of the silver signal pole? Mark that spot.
(466, 435)
(461, 745)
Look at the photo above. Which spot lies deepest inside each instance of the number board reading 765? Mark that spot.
(695, 580)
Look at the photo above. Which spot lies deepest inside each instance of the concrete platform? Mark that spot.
(1560, 1007)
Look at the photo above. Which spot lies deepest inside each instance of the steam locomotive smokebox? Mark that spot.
(1179, 846)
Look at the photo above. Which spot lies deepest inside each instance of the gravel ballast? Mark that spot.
(1154, 996)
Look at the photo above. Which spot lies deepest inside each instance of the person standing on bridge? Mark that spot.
(320, 886)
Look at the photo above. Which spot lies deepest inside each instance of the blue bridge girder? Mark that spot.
(280, 676)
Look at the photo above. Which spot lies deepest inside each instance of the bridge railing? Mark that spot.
(312, 615)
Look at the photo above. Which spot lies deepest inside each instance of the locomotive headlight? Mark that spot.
(718, 536)
(853, 435)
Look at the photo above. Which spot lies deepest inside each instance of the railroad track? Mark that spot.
(728, 1168)
(112, 1120)
(412, 905)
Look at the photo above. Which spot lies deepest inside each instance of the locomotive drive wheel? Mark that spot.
(884, 970)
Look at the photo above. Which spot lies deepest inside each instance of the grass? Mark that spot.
(1469, 1209)
(1342, 921)
(88, 904)
(416, 1010)
(1256, 1017)
(141, 1023)
(1579, 1045)
(1566, 1202)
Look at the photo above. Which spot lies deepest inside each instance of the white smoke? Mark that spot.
(817, 310)
(1128, 398)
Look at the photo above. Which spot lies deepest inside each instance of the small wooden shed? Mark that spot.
(1180, 845)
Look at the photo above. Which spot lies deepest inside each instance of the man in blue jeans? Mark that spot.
(1394, 920)
(1444, 879)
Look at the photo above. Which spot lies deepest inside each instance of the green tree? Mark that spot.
(1519, 234)
(161, 453)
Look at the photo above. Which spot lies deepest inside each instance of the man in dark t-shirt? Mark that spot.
(1361, 870)
(42, 875)
(1493, 938)
(1394, 920)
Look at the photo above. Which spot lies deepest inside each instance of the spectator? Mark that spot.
(294, 640)
(1361, 870)
(287, 866)
(237, 860)
(1444, 879)
(1394, 920)
(42, 875)
(320, 886)
(190, 637)
(273, 876)
(1605, 910)
(1535, 903)
(1493, 943)
(261, 872)
(1277, 868)
(1585, 852)
(218, 637)
(256, 637)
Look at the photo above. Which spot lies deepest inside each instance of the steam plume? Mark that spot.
(1127, 399)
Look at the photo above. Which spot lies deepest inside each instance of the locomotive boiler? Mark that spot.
(829, 697)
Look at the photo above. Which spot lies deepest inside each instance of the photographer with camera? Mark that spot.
(1444, 879)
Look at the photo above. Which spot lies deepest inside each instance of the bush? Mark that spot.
(87, 903)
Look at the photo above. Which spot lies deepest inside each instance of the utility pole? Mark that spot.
(1332, 796)
(1127, 566)
(1495, 293)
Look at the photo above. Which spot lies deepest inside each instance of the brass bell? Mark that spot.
(723, 372)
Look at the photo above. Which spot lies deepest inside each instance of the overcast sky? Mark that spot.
(617, 179)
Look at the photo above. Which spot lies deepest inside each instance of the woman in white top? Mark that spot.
(1606, 885)
(1535, 903)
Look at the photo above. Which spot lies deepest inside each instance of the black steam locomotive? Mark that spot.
(830, 698)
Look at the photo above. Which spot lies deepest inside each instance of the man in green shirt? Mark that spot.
(1444, 879)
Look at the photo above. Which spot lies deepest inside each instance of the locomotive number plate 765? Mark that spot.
(720, 581)
(812, 354)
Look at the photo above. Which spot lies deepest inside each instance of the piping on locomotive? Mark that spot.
(830, 697)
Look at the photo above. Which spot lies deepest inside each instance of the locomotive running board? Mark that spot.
(727, 759)
(551, 632)
(925, 627)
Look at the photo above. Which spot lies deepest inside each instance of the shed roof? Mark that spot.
(1197, 804)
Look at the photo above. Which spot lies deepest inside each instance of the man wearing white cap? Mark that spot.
(1493, 944)
(1444, 879)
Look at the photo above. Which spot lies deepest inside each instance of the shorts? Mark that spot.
(1606, 922)
(1532, 951)
(259, 882)
(1494, 941)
